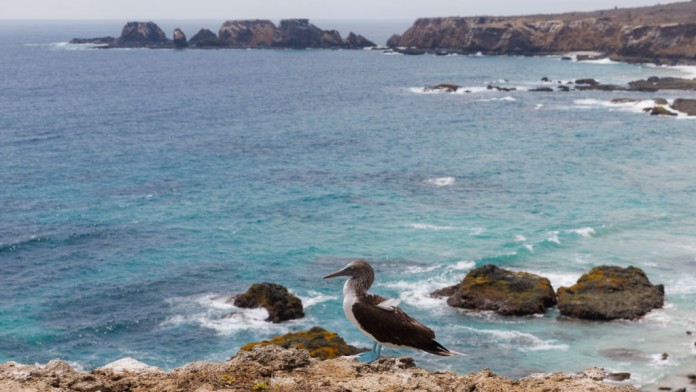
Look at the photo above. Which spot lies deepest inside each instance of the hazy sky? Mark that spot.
(277, 9)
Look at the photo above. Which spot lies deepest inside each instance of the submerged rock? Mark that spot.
(608, 293)
(505, 292)
(319, 342)
(446, 87)
(655, 83)
(276, 299)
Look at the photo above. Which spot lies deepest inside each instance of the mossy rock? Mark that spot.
(661, 111)
(276, 299)
(609, 293)
(319, 342)
(502, 291)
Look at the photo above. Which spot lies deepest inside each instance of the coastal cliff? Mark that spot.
(276, 369)
(661, 34)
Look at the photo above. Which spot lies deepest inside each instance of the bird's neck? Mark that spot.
(356, 287)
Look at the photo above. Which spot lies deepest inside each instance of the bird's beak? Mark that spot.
(343, 272)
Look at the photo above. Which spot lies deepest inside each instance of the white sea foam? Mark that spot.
(503, 99)
(538, 106)
(419, 270)
(441, 181)
(529, 247)
(557, 279)
(521, 341)
(553, 237)
(463, 265)
(520, 238)
(426, 226)
(418, 294)
(603, 61)
(684, 285)
(586, 232)
(689, 70)
(314, 298)
(214, 312)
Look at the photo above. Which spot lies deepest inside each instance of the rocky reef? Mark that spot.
(244, 34)
(505, 292)
(276, 299)
(274, 368)
(608, 293)
(319, 342)
(660, 34)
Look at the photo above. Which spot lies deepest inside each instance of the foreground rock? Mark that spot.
(243, 34)
(608, 293)
(276, 299)
(274, 368)
(502, 291)
(319, 342)
(661, 34)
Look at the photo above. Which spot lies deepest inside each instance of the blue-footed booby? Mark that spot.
(379, 318)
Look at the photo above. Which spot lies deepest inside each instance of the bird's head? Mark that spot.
(358, 269)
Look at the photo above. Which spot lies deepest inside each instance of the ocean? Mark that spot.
(139, 189)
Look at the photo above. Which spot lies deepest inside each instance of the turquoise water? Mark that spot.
(140, 188)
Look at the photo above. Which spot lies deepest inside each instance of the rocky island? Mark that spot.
(664, 34)
(239, 34)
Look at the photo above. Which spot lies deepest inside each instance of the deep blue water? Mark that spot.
(140, 188)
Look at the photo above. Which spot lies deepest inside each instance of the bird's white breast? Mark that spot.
(349, 299)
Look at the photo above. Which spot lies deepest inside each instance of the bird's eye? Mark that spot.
(352, 268)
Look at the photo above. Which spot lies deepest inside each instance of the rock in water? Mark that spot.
(319, 342)
(204, 38)
(687, 106)
(446, 87)
(608, 293)
(180, 39)
(276, 299)
(142, 35)
(505, 292)
(660, 111)
(300, 34)
(247, 33)
(358, 41)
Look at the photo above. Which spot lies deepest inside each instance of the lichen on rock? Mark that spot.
(505, 292)
(319, 342)
(608, 293)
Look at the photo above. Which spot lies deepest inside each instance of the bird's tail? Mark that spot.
(438, 349)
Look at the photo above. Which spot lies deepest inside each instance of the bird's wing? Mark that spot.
(392, 326)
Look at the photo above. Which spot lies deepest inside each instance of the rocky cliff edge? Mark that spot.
(275, 369)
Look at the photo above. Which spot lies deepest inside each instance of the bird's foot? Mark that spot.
(368, 357)
(372, 355)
